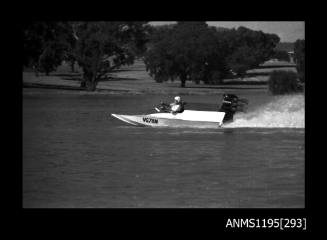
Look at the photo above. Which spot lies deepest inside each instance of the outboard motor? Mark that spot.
(230, 105)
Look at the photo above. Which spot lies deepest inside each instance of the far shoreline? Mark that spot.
(175, 91)
(134, 80)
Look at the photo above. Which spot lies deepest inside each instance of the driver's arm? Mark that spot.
(175, 108)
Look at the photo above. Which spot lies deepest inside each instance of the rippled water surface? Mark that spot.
(76, 155)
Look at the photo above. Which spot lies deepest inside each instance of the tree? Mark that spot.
(187, 50)
(248, 48)
(242, 60)
(299, 55)
(51, 57)
(33, 42)
(43, 45)
(104, 46)
(70, 40)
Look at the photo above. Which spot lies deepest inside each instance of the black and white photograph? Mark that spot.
(163, 114)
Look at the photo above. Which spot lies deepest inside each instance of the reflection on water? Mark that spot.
(76, 155)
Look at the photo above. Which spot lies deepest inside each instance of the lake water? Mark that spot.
(76, 155)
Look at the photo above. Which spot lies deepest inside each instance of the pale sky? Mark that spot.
(288, 31)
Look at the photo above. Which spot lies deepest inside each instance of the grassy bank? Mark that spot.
(135, 80)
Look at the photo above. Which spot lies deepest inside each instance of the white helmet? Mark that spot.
(177, 98)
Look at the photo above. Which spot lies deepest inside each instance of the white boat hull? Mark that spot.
(189, 118)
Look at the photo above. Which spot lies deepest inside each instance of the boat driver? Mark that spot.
(177, 106)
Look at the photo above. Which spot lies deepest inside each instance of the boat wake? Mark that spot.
(283, 112)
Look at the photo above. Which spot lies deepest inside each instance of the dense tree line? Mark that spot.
(189, 50)
(98, 47)
(183, 51)
(195, 51)
(44, 46)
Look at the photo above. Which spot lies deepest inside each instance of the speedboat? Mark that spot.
(188, 118)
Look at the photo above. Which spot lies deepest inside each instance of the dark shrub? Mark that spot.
(281, 55)
(283, 82)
